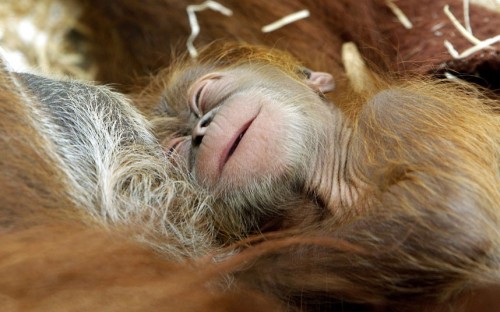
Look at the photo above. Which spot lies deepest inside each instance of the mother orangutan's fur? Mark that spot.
(419, 250)
(76, 157)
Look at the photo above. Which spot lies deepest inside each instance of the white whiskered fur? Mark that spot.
(114, 167)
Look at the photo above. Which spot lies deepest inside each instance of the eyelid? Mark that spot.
(194, 107)
(198, 96)
(173, 144)
(196, 102)
(305, 71)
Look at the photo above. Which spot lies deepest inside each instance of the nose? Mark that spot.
(200, 129)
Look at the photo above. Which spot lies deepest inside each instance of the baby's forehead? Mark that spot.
(262, 74)
(246, 76)
(261, 69)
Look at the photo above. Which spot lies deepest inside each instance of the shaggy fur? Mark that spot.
(143, 35)
(426, 221)
(426, 237)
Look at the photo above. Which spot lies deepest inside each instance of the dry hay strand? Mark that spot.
(45, 35)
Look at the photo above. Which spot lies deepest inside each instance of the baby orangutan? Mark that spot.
(409, 175)
(392, 204)
(254, 128)
(252, 135)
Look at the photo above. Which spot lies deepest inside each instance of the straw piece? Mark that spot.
(467, 16)
(193, 21)
(292, 18)
(468, 35)
(399, 14)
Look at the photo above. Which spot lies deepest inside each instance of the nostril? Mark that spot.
(197, 140)
(200, 128)
(198, 133)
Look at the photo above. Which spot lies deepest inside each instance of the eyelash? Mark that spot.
(197, 98)
(196, 105)
(175, 145)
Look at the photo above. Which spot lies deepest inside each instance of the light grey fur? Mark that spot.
(115, 168)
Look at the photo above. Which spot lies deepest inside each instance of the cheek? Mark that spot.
(262, 154)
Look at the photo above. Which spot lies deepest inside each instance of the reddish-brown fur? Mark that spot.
(143, 35)
(25, 191)
(154, 28)
(67, 267)
(348, 262)
(432, 152)
(52, 261)
(404, 257)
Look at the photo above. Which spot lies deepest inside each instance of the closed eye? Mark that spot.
(196, 105)
(197, 97)
(172, 145)
(178, 152)
(198, 100)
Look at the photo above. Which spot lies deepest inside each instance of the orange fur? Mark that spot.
(51, 260)
(415, 249)
(426, 228)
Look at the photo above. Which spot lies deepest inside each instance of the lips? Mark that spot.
(235, 142)
(235, 145)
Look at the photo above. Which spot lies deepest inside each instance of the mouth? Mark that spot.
(235, 142)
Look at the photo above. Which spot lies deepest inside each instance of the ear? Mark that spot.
(323, 82)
